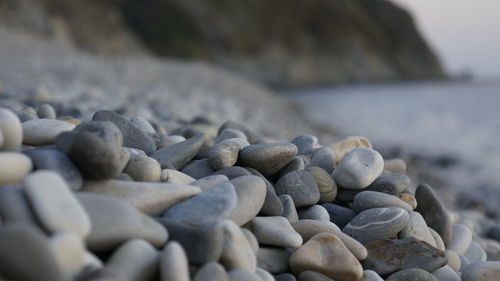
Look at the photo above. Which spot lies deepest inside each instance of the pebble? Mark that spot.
(211, 271)
(370, 275)
(251, 193)
(198, 169)
(30, 111)
(136, 259)
(323, 157)
(313, 276)
(409, 199)
(388, 256)
(243, 275)
(475, 253)
(445, 273)
(264, 275)
(371, 199)
(23, 247)
(96, 149)
(168, 140)
(237, 253)
(325, 253)
(315, 212)
(142, 124)
(461, 238)
(275, 231)
(481, 271)
(54, 205)
(69, 253)
(174, 176)
(289, 211)
(132, 135)
(14, 206)
(224, 154)
(296, 164)
(115, 221)
(390, 183)
(210, 181)
(412, 274)
(149, 198)
(273, 259)
(267, 158)
(326, 186)
(202, 244)
(251, 137)
(359, 168)
(463, 262)
(229, 134)
(285, 277)
(251, 239)
(395, 165)
(144, 168)
(272, 204)
(58, 162)
(339, 215)
(178, 155)
(15, 166)
(300, 185)
(377, 224)
(174, 263)
(453, 260)
(305, 144)
(346, 196)
(437, 239)
(46, 111)
(11, 130)
(433, 211)
(343, 147)
(208, 207)
(417, 228)
(233, 172)
(44, 131)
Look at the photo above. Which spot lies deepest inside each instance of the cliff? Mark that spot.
(280, 42)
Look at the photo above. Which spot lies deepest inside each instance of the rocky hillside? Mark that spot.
(280, 42)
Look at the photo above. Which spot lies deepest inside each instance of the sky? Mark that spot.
(465, 34)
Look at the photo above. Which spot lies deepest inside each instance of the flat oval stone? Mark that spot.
(315, 212)
(44, 131)
(143, 124)
(251, 136)
(339, 215)
(323, 157)
(461, 238)
(54, 204)
(300, 185)
(475, 253)
(237, 253)
(297, 163)
(174, 263)
(377, 224)
(272, 204)
(481, 271)
(359, 168)
(179, 154)
(417, 228)
(144, 168)
(433, 211)
(267, 158)
(372, 199)
(325, 253)
(395, 165)
(14, 206)
(390, 183)
(273, 259)
(208, 207)
(198, 169)
(388, 256)
(224, 154)
(326, 186)
(69, 252)
(412, 274)
(211, 271)
(233, 172)
(345, 146)
(251, 193)
(15, 166)
(11, 130)
(229, 133)
(206, 183)
(305, 143)
(275, 231)
(289, 211)
(46, 111)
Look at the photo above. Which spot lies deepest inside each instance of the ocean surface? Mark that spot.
(457, 120)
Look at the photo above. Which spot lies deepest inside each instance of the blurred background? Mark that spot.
(420, 79)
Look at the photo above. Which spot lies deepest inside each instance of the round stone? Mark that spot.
(481, 271)
(69, 252)
(208, 182)
(237, 253)
(230, 133)
(323, 157)
(433, 211)
(395, 165)
(144, 168)
(198, 169)
(275, 231)
(179, 154)
(300, 185)
(44, 131)
(315, 212)
(305, 143)
(377, 224)
(46, 111)
(251, 193)
(390, 183)
(370, 275)
(417, 228)
(174, 263)
(412, 274)
(445, 273)
(267, 158)
(359, 168)
(343, 147)
(224, 154)
(372, 199)
(453, 260)
(289, 211)
(326, 186)
(273, 259)
(475, 253)
(313, 276)
(461, 238)
(339, 215)
(211, 271)
(11, 130)
(15, 166)
(142, 124)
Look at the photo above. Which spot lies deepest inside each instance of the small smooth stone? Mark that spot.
(296, 164)
(22, 247)
(326, 186)
(243, 275)
(275, 231)
(144, 168)
(481, 271)
(251, 239)
(30, 111)
(179, 154)
(461, 238)
(359, 168)
(134, 260)
(412, 274)
(198, 169)
(92, 266)
(142, 124)
(370, 275)
(69, 252)
(237, 253)
(325, 253)
(372, 199)
(346, 196)
(309, 228)
(168, 140)
(229, 134)
(345, 146)
(251, 193)
(208, 207)
(274, 260)
(437, 239)
(44, 131)
(202, 244)
(12, 130)
(208, 182)
(173, 176)
(300, 185)
(417, 228)
(1, 139)
(211, 271)
(475, 253)
(433, 211)
(56, 161)
(409, 199)
(339, 215)
(377, 224)
(445, 273)
(251, 137)
(453, 260)
(323, 157)
(14, 206)
(464, 262)
(46, 111)
(272, 204)
(173, 263)
(233, 172)
(15, 167)
(115, 221)
(490, 246)
(289, 211)
(224, 154)
(305, 143)
(264, 275)
(313, 276)
(24, 116)
(315, 212)
(54, 204)
(395, 165)
(285, 277)
(132, 135)
(390, 183)
(388, 256)
(267, 158)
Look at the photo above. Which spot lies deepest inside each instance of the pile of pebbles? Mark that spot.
(122, 199)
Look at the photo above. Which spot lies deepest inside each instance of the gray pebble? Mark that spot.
(174, 264)
(143, 168)
(481, 271)
(339, 215)
(14, 207)
(208, 182)
(198, 169)
(289, 211)
(390, 183)
(179, 154)
(461, 238)
(272, 204)
(264, 275)
(417, 228)
(326, 186)
(251, 193)
(475, 253)
(174, 176)
(433, 211)
(359, 168)
(315, 212)
(11, 130)
(44, 131)
(412, 274)
(273, 259)
(233, 172)
(300, 185)
(323, 157)
(296, 164)
(313, 276)
(267, 158)
(142, 124)
(285, 277)
(275, 231)
(445, 273)
(372, 199)
(395, 165)
(243, 275)
(305, 143)
(224, 154)
(46, 111)
(237, 253)
(229, 133)
(251, 137)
